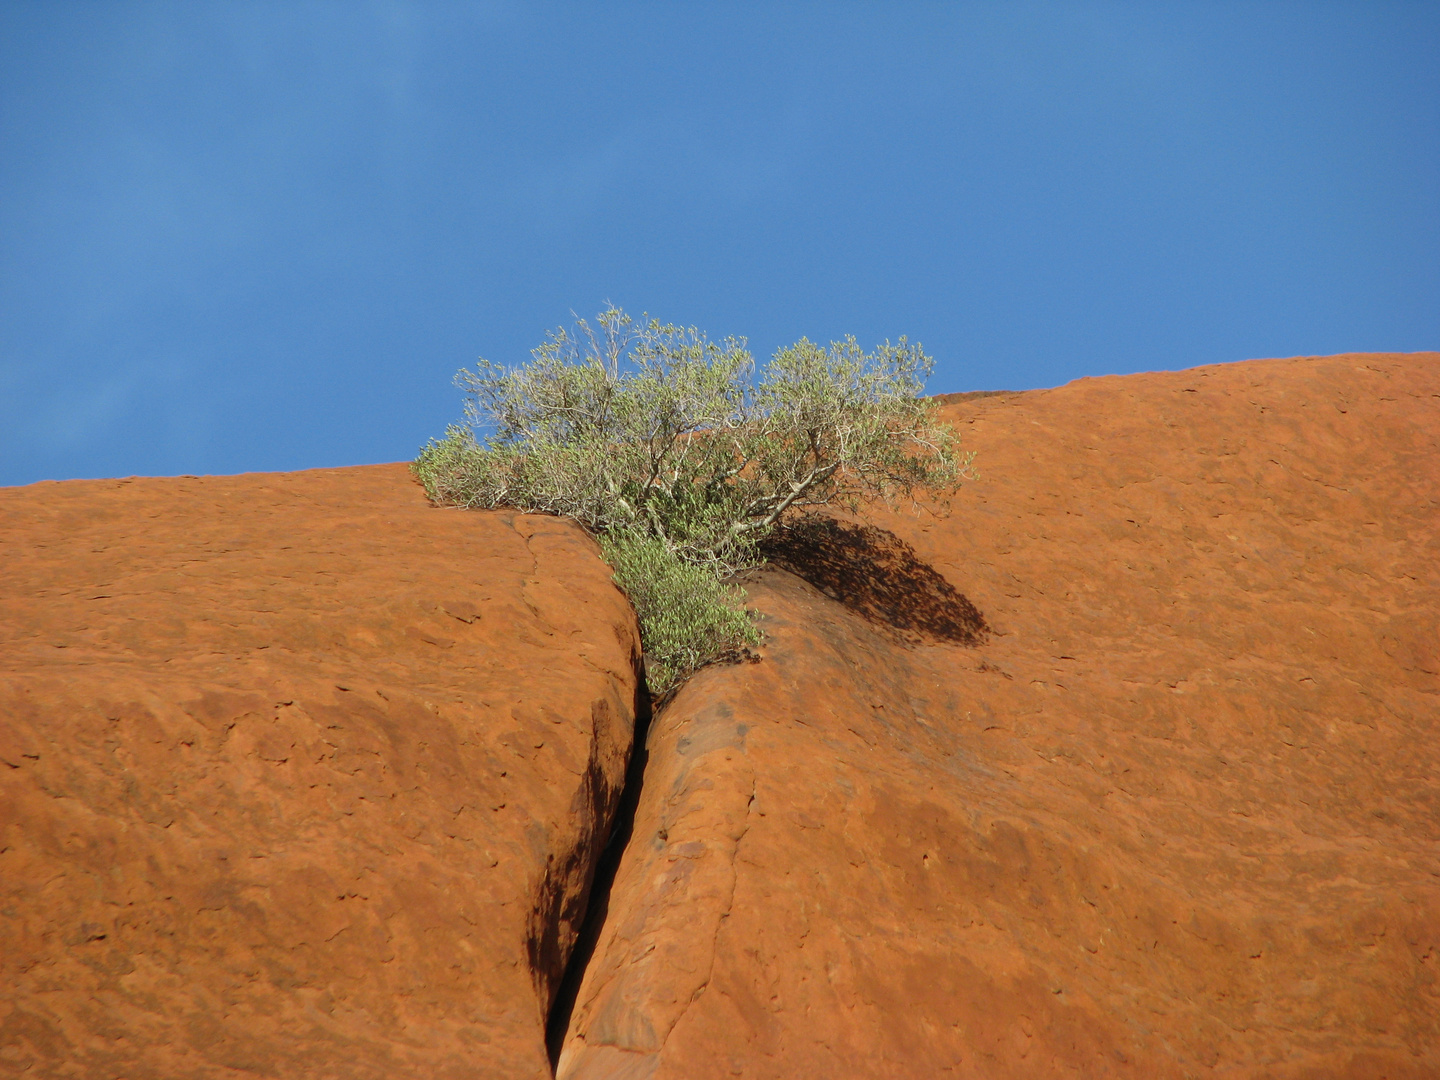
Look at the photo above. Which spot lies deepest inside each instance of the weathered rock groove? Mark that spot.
(621, 827)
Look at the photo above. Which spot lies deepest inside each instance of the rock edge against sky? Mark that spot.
(300, 776)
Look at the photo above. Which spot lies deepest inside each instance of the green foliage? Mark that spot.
(689, 617)
(667, 446)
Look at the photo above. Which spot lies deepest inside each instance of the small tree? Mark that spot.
(667, 448)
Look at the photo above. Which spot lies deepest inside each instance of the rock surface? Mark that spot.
(299, 776)
(1177, 817)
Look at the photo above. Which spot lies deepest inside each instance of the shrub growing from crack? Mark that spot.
(680, 458)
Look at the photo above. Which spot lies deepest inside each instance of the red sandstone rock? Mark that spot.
(299, 776)
(1179, 817)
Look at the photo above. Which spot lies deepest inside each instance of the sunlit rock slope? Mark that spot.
(1123, 767)
(299, 776)
(1177, 816)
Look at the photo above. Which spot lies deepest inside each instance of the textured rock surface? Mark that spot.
(299, 776)
(1179, 817)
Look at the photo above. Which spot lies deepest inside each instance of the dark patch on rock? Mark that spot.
(877, 575)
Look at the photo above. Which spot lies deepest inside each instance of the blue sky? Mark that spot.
(240, 237)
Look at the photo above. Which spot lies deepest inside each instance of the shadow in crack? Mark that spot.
(623, 823)
(877, 575)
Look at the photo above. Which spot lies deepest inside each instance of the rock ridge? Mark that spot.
(1170, 819)
(302, 776)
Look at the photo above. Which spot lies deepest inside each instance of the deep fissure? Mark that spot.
(870, 571)
(598, 906)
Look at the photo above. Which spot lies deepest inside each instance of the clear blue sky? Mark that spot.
(259, 236)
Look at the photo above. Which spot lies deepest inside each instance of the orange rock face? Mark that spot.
(1177, 816)
(299, 776)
